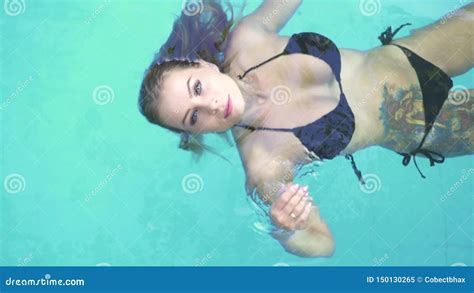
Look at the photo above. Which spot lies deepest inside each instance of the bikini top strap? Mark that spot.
(357, 172)
(252, 128)
(241, 76)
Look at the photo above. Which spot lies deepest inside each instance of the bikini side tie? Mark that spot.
(427, 153)
(387, 36)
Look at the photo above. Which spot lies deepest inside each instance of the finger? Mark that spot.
(299, 208)
(293, 201)
(283, 197)
(286, 196)
(290, 206)
(304, 215)
(279, 204)
(302, 219)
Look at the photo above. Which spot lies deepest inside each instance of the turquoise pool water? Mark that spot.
(87, 181)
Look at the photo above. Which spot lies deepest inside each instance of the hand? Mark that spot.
(291, 209)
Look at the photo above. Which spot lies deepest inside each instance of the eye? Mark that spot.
(194, 117)
(197, 88)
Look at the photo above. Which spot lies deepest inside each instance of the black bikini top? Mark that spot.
(329, 135)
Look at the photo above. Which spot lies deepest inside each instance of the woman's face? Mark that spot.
(200, 99)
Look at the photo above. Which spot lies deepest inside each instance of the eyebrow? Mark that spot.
(189, 92)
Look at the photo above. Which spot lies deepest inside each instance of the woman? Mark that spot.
(290, 101)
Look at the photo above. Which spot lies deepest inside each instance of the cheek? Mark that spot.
(211, 122)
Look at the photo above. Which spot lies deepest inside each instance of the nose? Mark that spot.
(214, 106)
(211, 104)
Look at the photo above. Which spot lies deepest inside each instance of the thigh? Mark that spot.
(447, 43)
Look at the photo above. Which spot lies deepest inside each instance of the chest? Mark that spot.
(290, 91)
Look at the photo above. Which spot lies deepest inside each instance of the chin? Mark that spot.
(226, 126)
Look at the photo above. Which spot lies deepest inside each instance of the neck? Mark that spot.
(255, 110)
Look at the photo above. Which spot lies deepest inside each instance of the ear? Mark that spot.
(208, 65)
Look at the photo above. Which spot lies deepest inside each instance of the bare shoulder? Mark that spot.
(243, 37)
(254, 153)
(267, 159)
(266, 21)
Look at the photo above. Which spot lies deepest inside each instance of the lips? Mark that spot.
(228, 108)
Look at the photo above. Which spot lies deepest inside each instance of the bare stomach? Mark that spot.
(400, 111)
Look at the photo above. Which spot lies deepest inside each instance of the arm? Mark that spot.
(272, 15)
(308, 238)
(314, 241)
